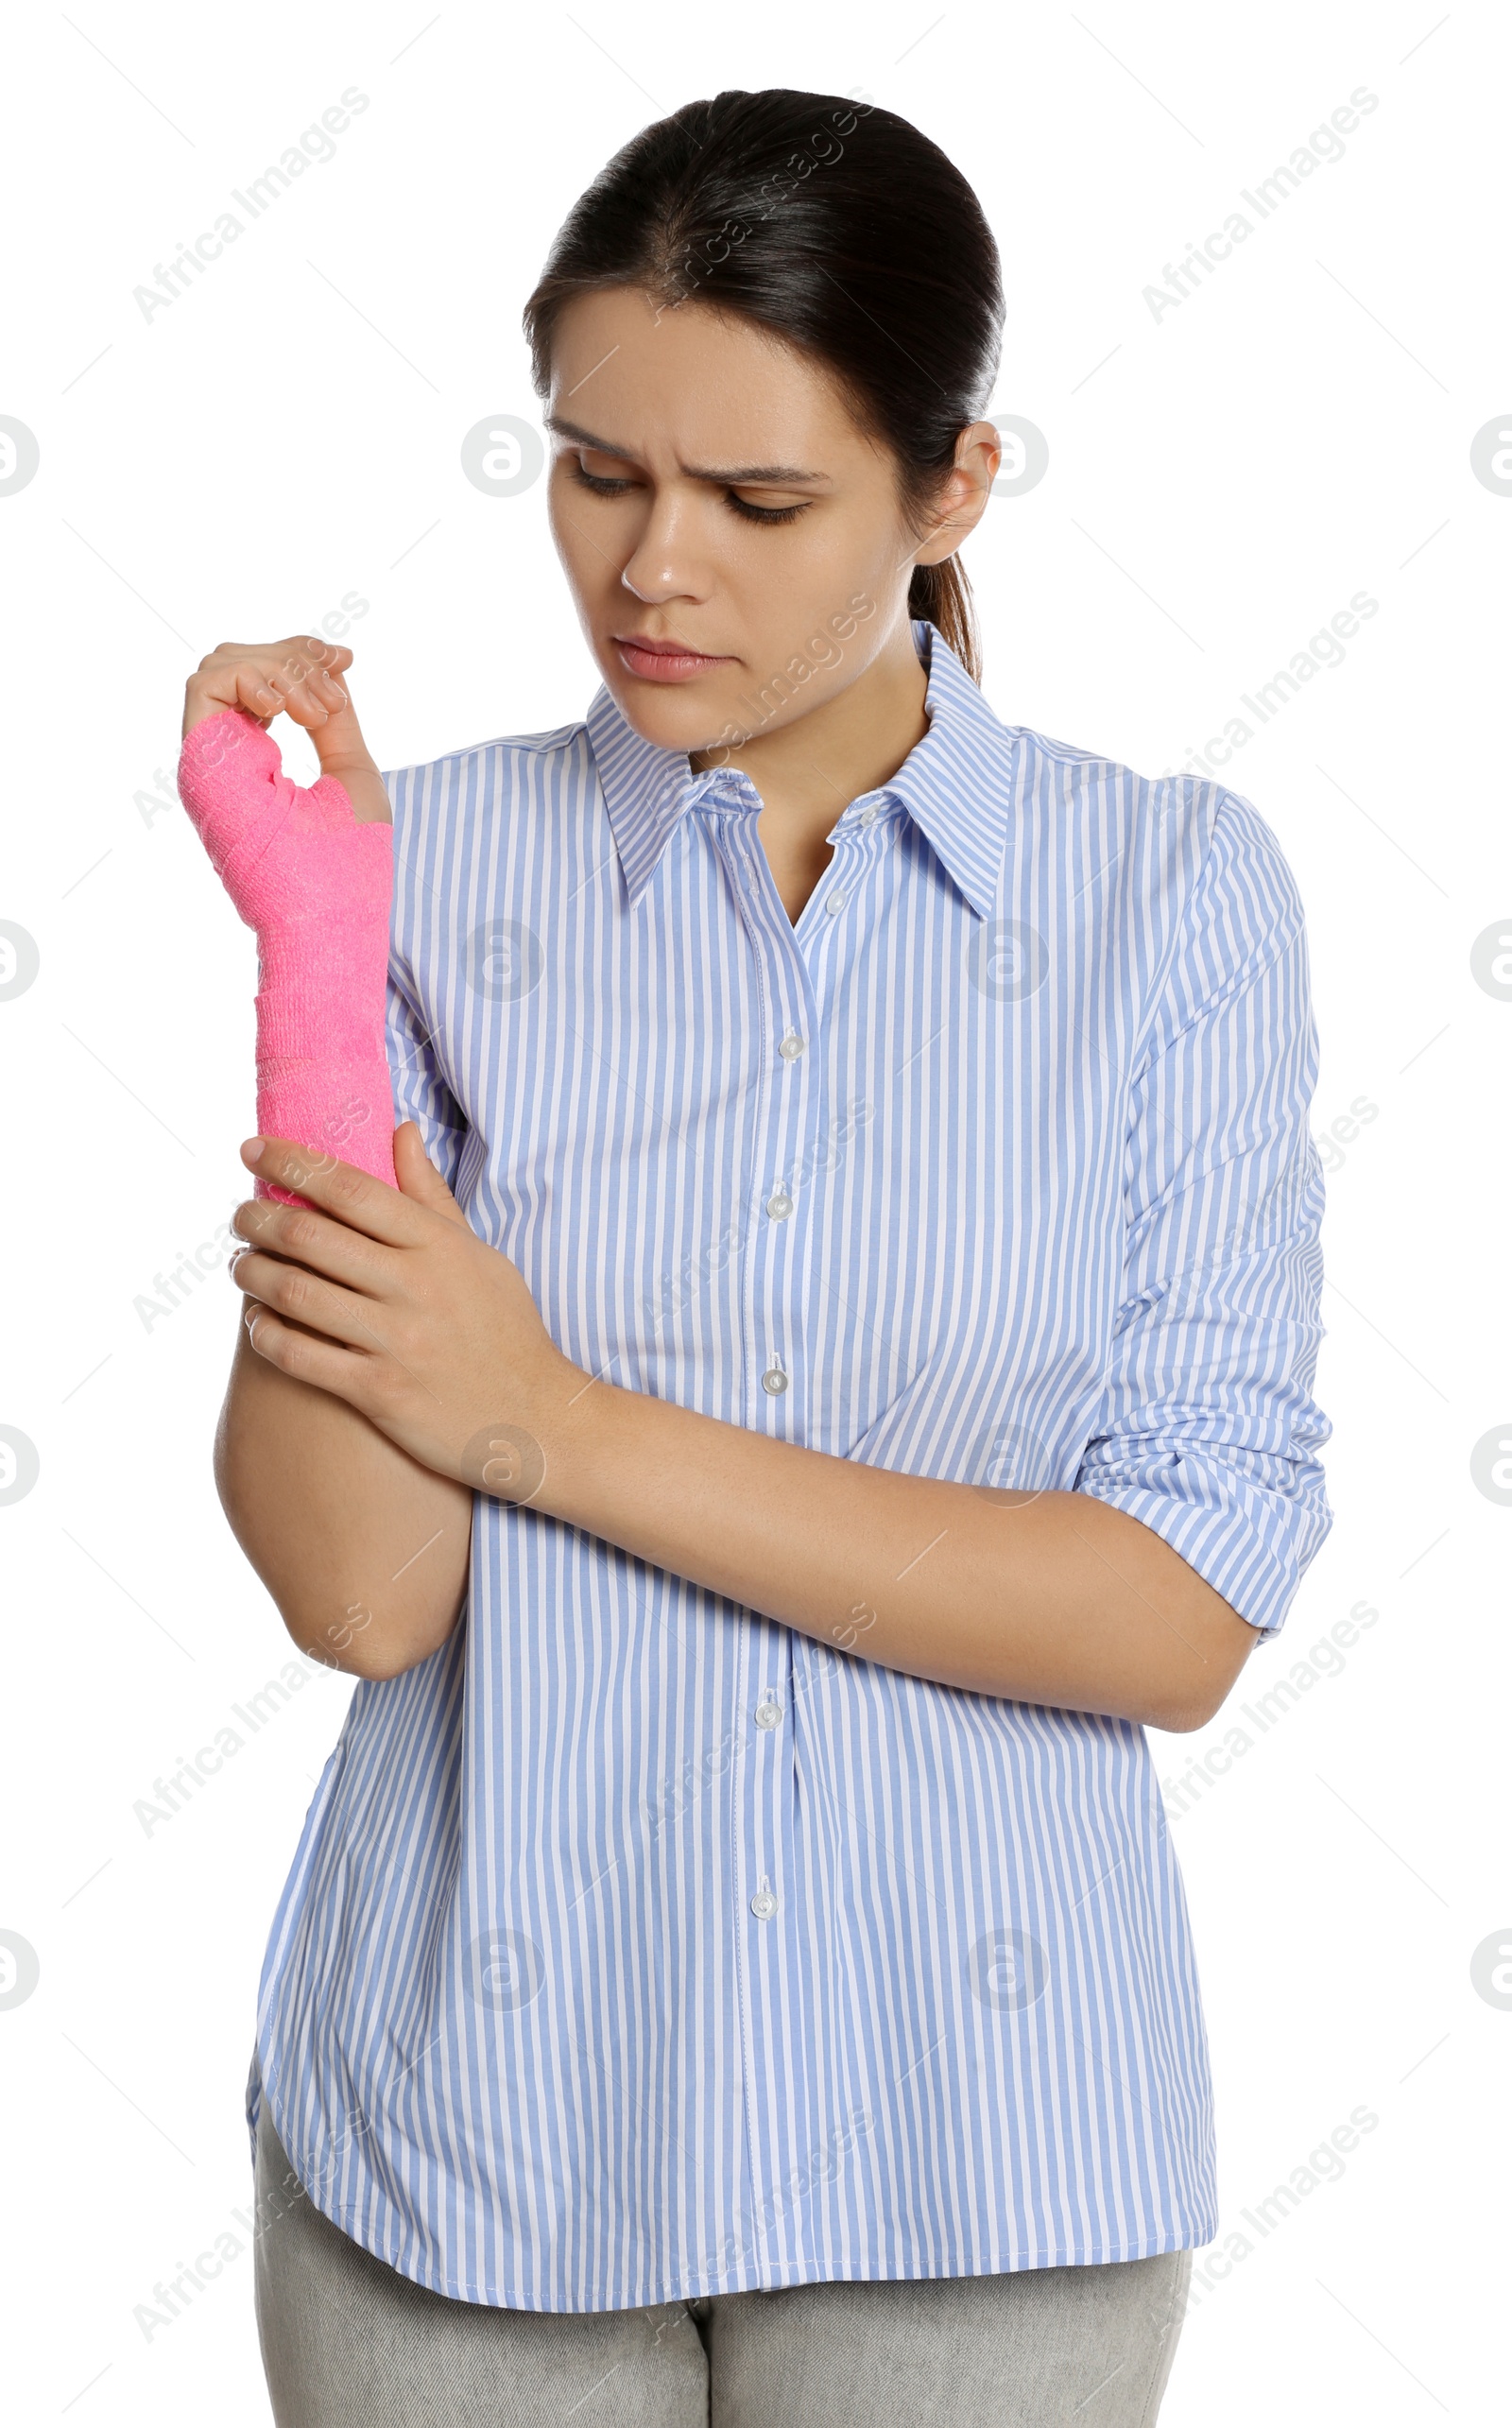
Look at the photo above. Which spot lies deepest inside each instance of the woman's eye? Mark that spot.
(602, 487)
(767, 513)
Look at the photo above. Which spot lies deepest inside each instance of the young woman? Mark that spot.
(835, 1366)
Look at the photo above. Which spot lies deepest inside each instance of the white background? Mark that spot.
(1221, 481)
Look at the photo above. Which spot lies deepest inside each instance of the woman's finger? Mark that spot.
(305, 1297)
(297, 657)
(239, 671)
(268, 694)
(343, 1190)
(299, 674)
(256, 694)
(321, 1363)
(297, 694)
(301, 1236)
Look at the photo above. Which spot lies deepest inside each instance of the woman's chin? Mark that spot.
(682, 717)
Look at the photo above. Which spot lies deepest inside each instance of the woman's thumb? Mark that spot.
(344, 754)
(417, 1175)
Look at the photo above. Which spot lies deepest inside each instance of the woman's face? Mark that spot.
(709, 489)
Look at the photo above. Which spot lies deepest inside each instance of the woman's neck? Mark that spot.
(810, 769)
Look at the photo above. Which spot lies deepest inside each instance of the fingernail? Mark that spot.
(252, 1149)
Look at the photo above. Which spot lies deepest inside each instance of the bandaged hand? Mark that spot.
(310, 870)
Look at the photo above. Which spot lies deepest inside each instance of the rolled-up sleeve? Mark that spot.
(1208, 1431)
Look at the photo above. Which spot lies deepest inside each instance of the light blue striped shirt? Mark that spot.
(637, 1947)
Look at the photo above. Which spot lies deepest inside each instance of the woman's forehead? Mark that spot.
(708, 388)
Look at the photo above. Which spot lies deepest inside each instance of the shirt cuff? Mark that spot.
(1249, 1524)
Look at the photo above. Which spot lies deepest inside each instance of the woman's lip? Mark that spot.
(663, 649)
(663, 663)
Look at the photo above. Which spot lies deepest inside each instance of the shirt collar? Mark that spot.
(954, 782)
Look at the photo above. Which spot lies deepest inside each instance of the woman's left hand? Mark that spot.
(388, 1298)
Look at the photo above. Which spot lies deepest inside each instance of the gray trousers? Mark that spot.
(350, 2343)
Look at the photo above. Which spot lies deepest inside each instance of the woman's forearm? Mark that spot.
(388, 1302)
(1052, 1599)
(363, 1550)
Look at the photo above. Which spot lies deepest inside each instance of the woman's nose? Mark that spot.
(666, 560)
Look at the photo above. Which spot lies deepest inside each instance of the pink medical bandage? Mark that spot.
(315, 885)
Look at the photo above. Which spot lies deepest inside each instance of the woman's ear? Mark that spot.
(961, 500)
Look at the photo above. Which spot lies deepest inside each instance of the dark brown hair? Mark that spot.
(842, 230)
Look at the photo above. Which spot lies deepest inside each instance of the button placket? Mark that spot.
(786, 1145)
(839, 881)
(784, 1118)
(768, 1884)
(783, 990)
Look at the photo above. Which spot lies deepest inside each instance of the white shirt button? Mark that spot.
(779, 1206)
(763, 1905)
(868, 813)
(791, 1046)
(774, 1380)
(837, 902)
(768, 1713)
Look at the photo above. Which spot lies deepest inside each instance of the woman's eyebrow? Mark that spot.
(741, 476)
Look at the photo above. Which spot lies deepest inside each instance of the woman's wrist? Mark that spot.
(571, 1427)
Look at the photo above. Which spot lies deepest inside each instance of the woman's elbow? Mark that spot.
(362, 1646)
(1189, 1700)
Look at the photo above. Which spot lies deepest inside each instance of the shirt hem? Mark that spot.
(774, 2276)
